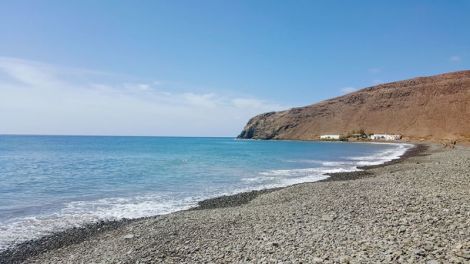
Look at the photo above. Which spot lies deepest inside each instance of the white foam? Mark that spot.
(294, 176)
(77, 213)
(283, 177)
(307, 171)
(382, 157)
(337, 163)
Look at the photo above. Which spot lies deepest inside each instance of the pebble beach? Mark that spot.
(416, 210)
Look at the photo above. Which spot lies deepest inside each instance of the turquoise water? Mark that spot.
(48, 183)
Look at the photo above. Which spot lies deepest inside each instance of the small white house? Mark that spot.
(330, 137)
(386, 137)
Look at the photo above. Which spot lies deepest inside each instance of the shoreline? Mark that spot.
(34, 247)
(414, 211)
(245, 197)
(364, 172)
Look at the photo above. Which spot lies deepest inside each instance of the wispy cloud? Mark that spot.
(349, 89)
(28, 72)
(377, 81)
(42, 98)
(455, 58)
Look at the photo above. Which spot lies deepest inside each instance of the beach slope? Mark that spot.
(414, 211)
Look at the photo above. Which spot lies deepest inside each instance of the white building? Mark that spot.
(387, 137)
(330, 137)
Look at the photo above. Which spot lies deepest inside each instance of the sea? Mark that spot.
(51, 183)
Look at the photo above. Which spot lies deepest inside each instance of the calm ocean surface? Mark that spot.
(48, 183)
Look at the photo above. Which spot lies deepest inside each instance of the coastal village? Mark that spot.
(360, 136)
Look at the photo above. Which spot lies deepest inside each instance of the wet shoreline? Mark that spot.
(31, 248)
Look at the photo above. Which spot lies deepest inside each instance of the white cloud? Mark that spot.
(455, 58)
(347, 90)
(29, 73)
(209, 100)
(377, 81)
(143, 86)
(44, 99)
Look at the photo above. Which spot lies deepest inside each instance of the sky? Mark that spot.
(203, 68)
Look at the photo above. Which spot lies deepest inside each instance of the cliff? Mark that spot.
(424, 108)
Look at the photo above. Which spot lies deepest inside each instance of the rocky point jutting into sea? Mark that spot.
(426, 108)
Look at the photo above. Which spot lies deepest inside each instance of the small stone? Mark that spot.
(344, 259)
(317, 260)
(128, 236)
(328, 217)
(463, 254)
(428, 247)
(419, 252)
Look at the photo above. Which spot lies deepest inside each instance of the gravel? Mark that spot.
(415, 211)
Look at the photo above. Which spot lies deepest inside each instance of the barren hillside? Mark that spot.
(430, 108)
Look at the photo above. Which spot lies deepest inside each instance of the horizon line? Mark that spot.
(93, 135)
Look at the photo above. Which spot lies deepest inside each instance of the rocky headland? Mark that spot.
(435, 108)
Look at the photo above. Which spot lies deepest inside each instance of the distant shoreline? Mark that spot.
(70, 236)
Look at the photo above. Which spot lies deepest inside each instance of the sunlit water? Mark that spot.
(48, 183)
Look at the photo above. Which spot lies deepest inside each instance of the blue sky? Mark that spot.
(202, 68)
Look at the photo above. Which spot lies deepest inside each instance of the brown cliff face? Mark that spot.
(430, 108)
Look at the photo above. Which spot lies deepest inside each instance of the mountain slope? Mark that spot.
(431, 108)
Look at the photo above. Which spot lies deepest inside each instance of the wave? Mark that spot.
(382, 157)
(377, 159)
(78, 213)
(283, 177)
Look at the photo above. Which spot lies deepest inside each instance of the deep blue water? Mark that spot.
(48, 183)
